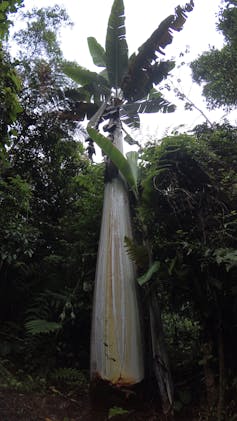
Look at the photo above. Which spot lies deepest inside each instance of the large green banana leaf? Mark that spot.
(93, 83)
(97, 52)
(81, 75)
(126, 167)
(116, 45)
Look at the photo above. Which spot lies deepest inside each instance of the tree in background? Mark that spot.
(189, 203)
(9, 81)
(50, 202)
(216, 68)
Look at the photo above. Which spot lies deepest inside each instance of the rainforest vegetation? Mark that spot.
(151, 236)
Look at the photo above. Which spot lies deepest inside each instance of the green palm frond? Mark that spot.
(116, 45)
(142, 72)
(97, 52)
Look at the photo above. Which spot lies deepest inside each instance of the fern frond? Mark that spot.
(69, 376)
(68, 373)
(137, 253)
(40, 326)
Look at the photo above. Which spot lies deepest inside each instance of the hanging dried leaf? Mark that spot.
(142, 72)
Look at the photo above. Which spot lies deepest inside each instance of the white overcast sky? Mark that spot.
(90, 18)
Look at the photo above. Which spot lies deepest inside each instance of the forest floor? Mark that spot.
(54, 406)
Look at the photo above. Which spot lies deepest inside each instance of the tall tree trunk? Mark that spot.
(221, 359)
(116, 340)
(159, 354)
(209, 374)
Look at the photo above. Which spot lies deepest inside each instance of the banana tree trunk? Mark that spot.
(116, 342)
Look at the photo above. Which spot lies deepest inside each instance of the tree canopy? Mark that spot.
(216, 68)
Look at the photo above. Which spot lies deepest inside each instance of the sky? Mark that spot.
(90, 18)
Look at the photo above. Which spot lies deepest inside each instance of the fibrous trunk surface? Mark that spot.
(116, 344)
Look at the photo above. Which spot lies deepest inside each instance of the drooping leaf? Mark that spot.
(115, 155)
(116, 45)
(130, 140)
(132, 158)
(149, 106)
(91, 81)
(148, 275)
(79, 111)
(142, 71)
(97, 52)
(142, 82)
(129, 117)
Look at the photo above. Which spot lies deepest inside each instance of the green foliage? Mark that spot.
(97, 52)
(36, 327)
(113, 412)
(125, 166)
(50, 202)
(189, 207)
(69, 376)
(7, 7)
(18, 237)
(116, 45)
(226, 256)
(10, 85)
(216, 68)
(93, 83)
(182, 333)
(129, 79)
(149, 274)
(137, 253)
(40, 37)
(80, 75)
(132, 159)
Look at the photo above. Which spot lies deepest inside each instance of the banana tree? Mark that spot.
(124, 88)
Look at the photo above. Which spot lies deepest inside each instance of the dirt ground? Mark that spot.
(54, 406)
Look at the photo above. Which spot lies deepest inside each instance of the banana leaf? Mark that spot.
(125, 167)
(116, 45)
(97, 52)
(129, 117)
(149, 106)
(83, 76)
(142, 72)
